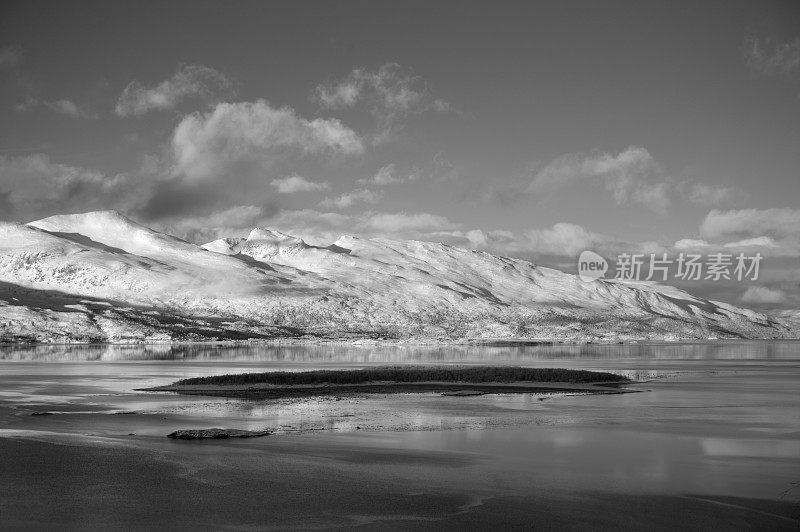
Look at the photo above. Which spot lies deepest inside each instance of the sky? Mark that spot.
(529, 129)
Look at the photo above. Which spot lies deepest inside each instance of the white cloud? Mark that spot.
(403, 222)
(361, 195)
(69, 108)
(295, 183)
(690, 243)
(776, 230)
(189, 82)
(9, 57)
(762, 294)
(563, 239)
(253, 135)
(387, 175)
(63, 106)
(27, 105)
(631, 176)
(751, 222)
(442, 169)
(390, 93)
(704, 245)
(703, 194)
(761, 241)
(768, 57)
(344, 94)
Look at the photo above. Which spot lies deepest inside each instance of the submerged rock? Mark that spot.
(215, 434)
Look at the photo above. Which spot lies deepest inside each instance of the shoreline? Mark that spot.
(404, 342)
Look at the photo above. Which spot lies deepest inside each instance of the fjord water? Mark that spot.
(711, 440)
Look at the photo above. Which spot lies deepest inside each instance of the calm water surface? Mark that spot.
(711, 419)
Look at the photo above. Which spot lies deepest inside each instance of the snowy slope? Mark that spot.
(100, 276)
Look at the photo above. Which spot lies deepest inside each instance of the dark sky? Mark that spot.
(534, 129)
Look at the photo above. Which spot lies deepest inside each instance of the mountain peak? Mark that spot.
(112, 228)
(93, 217)
(263, 244)
(265, 233)
(225, 246)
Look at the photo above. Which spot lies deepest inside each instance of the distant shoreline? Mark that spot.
(411, 342)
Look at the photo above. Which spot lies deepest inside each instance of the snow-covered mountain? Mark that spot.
(102, 277)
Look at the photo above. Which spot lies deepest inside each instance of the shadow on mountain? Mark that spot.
(167, 320)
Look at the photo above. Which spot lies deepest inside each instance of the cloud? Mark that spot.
(344, 94)
(387, 175)
(69, 108)
(384, 176)
(29, 104)
(767, 57)
(442, 169)
(244, 153)
(761, 241)
(190, 82)
(63, 106)
(564, 239)
(762, 294)
(703, 194)
(295, 183)
(390, 93)
(10, 57)
(631, 176)
(690, 243)
(229, 222)
(778, 222)
(704, 245)
(33, 186)
(403, 222)
(361, 195)
(776, 230)
(251, 137)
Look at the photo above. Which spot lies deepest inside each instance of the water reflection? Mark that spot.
(374, 354)
(726, 422)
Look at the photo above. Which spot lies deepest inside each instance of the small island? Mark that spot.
(441, 379)
(215, 434)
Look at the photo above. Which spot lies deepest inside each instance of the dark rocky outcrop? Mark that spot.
(215, 434)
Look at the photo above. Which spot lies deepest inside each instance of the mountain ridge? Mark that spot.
(100, 276)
